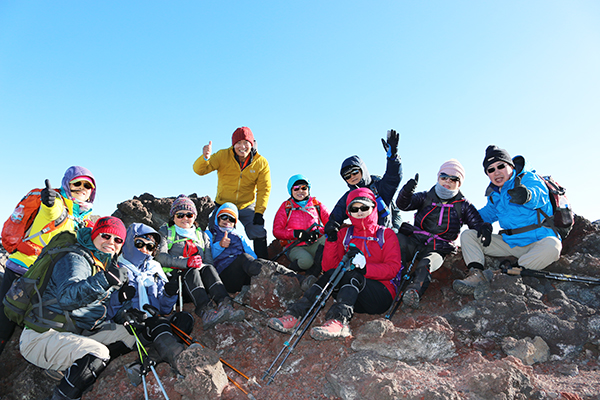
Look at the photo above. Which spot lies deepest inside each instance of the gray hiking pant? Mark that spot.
(535, 256)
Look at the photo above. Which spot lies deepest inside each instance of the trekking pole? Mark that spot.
(552, 275)
(146, 362)
(180, 293)
(310, 316)
(188, 340)
(401, 288)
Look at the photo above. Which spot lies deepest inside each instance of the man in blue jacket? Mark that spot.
(515, 195)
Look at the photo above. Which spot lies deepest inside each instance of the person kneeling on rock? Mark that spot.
(365, 289)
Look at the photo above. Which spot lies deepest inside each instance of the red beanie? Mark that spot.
(111, 225)
(243, 133)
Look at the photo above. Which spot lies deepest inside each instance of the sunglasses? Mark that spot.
(351, 173)
(357, 209)
(139, 244)
(182, 215)
(299, 187)
(451, 178)
(107, 236)
(499, 167)
(226, 217)
(85, 184)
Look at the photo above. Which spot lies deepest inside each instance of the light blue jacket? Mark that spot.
(512, 216)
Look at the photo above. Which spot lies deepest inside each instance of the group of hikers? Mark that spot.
(112, 280)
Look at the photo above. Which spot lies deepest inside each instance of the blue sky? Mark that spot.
(133, 90)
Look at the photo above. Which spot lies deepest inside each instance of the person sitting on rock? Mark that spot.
(244, 179)
(515, 194)
(232, 256)
(365, 289)
(440, 214)
(70, 207)
(354, 171)
(186, 257)
(80, 287)
(147, 285)
(301, 219)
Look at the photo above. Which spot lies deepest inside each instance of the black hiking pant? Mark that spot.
(239, 272)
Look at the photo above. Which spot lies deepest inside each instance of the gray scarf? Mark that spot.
(443, 193)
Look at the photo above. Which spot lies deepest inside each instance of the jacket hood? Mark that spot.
(74, 172)
(371, 220)
(226, 208)
(355, 161)
(130, 252)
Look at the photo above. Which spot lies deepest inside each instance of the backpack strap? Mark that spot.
(385, 211)
(289, 207)
(379, 238)
(171, 234)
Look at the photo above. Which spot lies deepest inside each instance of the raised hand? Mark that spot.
(225, 241)
(207, 150)
(48, 195)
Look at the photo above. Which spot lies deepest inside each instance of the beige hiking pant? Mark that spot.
(535, 256)
(59, 350)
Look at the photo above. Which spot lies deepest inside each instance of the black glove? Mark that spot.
(258, 219)
(411, 185)
(48, 195)
(156, 324)
(172, 286)
(115, 275)
(127, 292)
(331, 229)
(391, 145)
(519, 195)
(314, 236)
(485, 233)
(406, 229)
(135, 317)
(304, 236)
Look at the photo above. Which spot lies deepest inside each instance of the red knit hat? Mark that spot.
(243, 133)
(112, 225)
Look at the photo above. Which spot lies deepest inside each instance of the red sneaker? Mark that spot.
(285, 324)
(330, 330)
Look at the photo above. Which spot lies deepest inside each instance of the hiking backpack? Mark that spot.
(23, 302)
(16, 232)
(562, 218)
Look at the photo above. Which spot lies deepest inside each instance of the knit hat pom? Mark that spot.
(182, 203)
(111, 225)
(452, 168)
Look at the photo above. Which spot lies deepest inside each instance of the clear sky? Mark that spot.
(132, 90)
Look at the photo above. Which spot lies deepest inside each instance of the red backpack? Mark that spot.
(16, 235)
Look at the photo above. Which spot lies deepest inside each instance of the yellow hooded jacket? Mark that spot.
(237, 186)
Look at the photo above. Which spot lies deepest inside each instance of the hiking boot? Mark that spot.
(467, 286)
(226, 306)
(285, 324)
(330, 330)
(411, 298)
(211, 317)
(307, 281)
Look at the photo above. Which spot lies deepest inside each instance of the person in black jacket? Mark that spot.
(441, 212)
(355, 173)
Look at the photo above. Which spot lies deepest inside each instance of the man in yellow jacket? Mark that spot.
(244, 179)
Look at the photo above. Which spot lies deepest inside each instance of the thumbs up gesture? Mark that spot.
(224, 243)
(207, 150)
(48, 195)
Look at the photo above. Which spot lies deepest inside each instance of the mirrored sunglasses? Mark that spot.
(226, 217)
(139, 244)
(357, 209)
(351, 173)
(299, 187)
(108, 236)
(452, 178)
(182, 215)
(499, 167)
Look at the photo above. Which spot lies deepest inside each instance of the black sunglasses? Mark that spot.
(350, 173)
(139, 243)
(226, 217)
(300, 187)
(181, 215)
(356, 209)
(86, 185)
(107, 236)
(452, 178)
(499, 167)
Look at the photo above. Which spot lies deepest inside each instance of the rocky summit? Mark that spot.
(516, 338)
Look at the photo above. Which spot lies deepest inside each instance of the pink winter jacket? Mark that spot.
(291, 216)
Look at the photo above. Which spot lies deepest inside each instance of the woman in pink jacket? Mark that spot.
(301, 219)
(365, 289)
